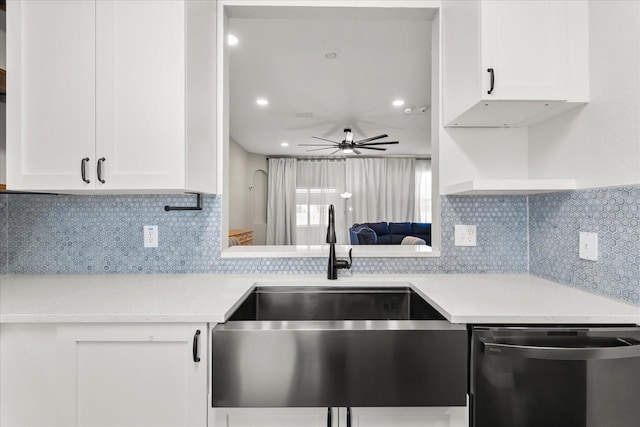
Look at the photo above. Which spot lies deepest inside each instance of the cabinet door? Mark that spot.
(131, 375)
(28, 375)
(406, 417)
(140, 89)
(525, 43)
(273, 417)
(51, 101)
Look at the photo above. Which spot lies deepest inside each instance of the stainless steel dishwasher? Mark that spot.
(555, 376)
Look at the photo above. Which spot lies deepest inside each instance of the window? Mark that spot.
(423, 191)
(312, 205)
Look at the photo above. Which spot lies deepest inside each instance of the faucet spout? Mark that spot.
(334, 263)
(331, 229)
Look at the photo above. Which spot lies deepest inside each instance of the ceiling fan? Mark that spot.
(348, 145)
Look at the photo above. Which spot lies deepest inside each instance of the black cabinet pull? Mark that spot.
(493, 79)
(348, 417)
(100, 160)
(196, 358)
(329, 417)
(83, 170)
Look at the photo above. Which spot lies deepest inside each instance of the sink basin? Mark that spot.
(334, 303)
(338, 346)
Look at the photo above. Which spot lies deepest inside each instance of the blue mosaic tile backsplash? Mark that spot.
(4, 241)
(46, 234)
(614, 213)
(102, 234)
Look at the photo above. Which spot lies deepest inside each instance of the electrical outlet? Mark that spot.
(588, 246)
(465, 235)
(150, 236)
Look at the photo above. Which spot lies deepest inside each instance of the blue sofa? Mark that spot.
(392, 233)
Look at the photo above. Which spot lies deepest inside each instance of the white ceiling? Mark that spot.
(381, 56)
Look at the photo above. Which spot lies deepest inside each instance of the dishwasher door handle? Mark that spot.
(625, 350)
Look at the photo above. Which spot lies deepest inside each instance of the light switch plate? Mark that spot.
(465, 235)
(588, 246)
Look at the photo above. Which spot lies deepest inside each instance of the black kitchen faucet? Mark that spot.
(334, 263)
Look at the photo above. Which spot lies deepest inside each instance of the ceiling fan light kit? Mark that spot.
(348, 145)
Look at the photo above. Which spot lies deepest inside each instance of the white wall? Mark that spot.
(238, 186)
(599, 144)
(3, 116)
(482, 153)
(242, 200)
(3, 145)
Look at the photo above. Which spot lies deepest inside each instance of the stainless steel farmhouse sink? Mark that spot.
(338, 346)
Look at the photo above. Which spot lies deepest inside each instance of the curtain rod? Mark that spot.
(345, 157)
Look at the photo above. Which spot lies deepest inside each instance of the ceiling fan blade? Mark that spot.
(318, 149)
(355, 150)
(325, 139)
(377, 143)
(373, 138)
(335, 152)
(317, 145)
(372, 148)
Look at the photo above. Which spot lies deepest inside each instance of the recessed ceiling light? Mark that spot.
(262, 101)
(284, 144)
(398, 102)
(331, 55)
(232, 40)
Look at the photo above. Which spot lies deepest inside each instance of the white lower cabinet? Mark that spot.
(455, 416)
(272, 417)
(103, 375)
(360, 417)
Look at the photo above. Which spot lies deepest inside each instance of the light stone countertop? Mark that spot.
(461, 298)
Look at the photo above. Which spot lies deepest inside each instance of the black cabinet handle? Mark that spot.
(195, 346)
(329, 417)
(83, 170)
(348, 417)
(100, 160)
(493, 79)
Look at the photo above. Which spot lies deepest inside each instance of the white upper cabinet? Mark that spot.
(513, 63)
(108, 96)
(140, 83)
(525, 44)
(51, 105)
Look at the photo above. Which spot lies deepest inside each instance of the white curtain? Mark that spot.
(366, 181)
(423, 191)
(400, 198)
(319, 184)
(383, 189)
(281, 202)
